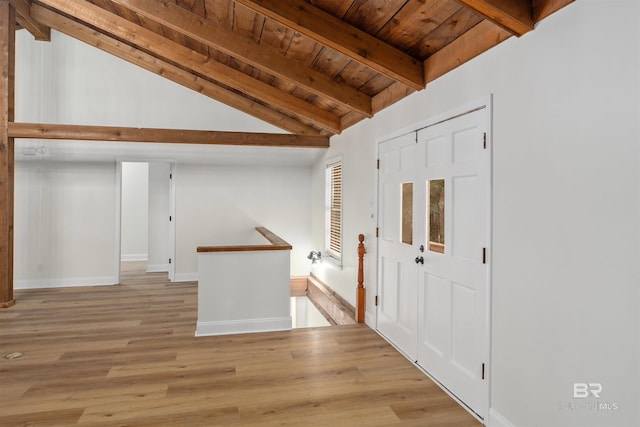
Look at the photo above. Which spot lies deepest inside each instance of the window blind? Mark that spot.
(334, 222)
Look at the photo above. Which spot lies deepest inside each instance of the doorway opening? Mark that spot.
(145, 231)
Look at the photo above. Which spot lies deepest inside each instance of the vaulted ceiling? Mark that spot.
(310, 67)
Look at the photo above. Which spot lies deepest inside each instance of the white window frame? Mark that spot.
(329, 252)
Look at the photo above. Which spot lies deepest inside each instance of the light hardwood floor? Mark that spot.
(126, 356)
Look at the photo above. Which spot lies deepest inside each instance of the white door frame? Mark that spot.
(172, 223)
(118, 222)
(118, 213)
(479, 104)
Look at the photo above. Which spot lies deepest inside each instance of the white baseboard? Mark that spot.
(65, 283)
(185, 277)
(227, 327)
(157, 268)
(497, 420)
(134, 257)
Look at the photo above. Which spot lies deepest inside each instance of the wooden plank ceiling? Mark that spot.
(310, 67)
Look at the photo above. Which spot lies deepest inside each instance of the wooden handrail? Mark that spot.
(273, 238)
(276, 244)
(360, 296)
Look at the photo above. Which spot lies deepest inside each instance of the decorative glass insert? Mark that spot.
(407, 213)
(436, 215)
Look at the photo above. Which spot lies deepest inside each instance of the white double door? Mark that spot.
(433, 245)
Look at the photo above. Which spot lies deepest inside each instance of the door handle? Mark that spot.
(420, 260)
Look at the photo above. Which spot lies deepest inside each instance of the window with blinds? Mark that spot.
(334, 210)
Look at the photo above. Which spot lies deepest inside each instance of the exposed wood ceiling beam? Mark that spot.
(342, 37)
(165, 48)
(162, 68)
(173, 136)
(477, 40)
(24, 18)
(268, 59)
(515, 16)
(480, 38)
(544, 8)
(7, 95)
(392, 94)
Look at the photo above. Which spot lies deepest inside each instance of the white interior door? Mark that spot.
(453, 282)
(397, 271)
(433, 285)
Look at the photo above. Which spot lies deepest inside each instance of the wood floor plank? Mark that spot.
(64, 417)
(10, 393)
(69, 400)
(320, 416)
(167, 408)
(126, 355)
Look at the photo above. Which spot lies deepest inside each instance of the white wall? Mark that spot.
(565, 289)
(243, 292)
(65, 81)
(66, 217)
(227, 203)
(65, 224)
(158, 216)
(359, 213)
(135, 211)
